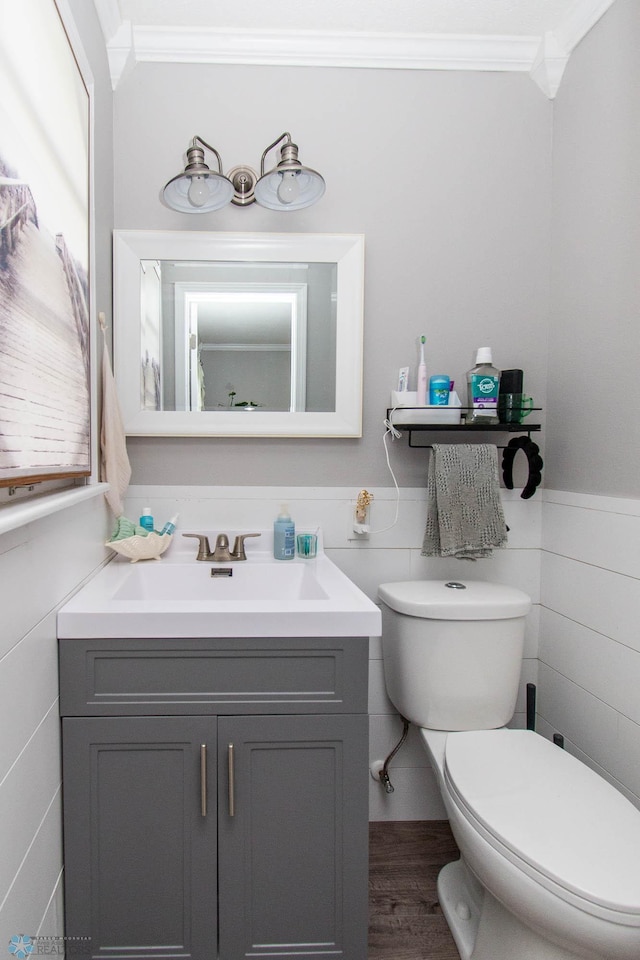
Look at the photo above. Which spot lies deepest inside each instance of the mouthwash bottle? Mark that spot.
(483, 383)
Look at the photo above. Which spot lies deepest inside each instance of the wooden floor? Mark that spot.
(405, 919)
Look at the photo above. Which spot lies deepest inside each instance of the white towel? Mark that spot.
(464, 511)
(115, 466)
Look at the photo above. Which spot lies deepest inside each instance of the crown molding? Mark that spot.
(118, 37)
(328, 49)
(545, 58)
(557, 45)
(549, 65)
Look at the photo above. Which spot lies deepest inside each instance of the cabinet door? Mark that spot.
(140, 847)
(293, 828)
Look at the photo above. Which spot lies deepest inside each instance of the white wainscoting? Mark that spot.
(386, 556)
(41, 563)
(589, 638)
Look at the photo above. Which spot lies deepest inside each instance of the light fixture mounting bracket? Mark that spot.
(244, 180)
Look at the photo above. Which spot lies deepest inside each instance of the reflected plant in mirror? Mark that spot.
(239, 334)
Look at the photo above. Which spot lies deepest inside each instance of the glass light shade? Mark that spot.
(214, 190)
(310, 185)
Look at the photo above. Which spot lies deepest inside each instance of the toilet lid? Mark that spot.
(587, 834)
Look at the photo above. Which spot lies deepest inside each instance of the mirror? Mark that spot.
(238, 334)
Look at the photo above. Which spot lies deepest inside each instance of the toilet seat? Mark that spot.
(585, 847)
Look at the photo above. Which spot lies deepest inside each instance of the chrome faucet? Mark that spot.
(221, 553)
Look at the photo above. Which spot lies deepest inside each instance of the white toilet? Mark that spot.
(550, 852)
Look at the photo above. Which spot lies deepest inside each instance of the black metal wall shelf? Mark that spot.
(521, 442)
(411, 428)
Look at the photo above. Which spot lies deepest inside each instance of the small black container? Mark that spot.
(510, 396)
(511, 381)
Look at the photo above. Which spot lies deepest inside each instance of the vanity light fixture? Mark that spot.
(198, 189)
(288, 186)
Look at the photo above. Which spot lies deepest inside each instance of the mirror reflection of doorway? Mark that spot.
(240, 347)
(302, 312)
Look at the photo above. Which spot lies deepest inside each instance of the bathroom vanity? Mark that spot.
(215, 787)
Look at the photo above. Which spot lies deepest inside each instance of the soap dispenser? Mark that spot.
(284, 535)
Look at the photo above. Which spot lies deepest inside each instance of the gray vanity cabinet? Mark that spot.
(291, 844)
(230, 834)
(138, 852)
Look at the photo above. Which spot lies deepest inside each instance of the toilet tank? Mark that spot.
(453, 651)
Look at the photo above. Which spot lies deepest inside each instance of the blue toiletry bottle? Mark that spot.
(439, 390)
(284, 536)
(170, 526)
(146, 519)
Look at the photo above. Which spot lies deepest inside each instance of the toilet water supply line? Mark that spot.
(384, 774)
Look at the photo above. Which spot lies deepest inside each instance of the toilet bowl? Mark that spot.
(550, 852)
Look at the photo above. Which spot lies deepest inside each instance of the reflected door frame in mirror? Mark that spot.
(190, 297)
(131, 247)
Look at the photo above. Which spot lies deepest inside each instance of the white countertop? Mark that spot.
(177, 597)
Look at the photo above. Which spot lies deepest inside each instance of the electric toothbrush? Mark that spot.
(421, 399)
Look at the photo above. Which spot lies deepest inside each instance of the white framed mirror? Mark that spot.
(238, 334)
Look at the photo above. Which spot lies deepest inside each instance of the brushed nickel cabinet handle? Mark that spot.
(232, 780)
(203, 779)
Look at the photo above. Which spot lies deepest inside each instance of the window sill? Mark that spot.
(13, 515)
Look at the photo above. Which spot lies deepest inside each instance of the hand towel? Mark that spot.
(464, 511)
(115, 466)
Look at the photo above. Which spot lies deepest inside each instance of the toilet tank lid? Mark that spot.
(455, 599)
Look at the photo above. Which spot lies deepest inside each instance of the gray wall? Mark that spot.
(589, 650)
(457, 234)
(593, 430)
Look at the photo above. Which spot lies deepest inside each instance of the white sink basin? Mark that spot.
(205, 582)
(178, 597)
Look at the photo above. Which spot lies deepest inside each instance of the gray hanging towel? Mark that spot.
(464, 510)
